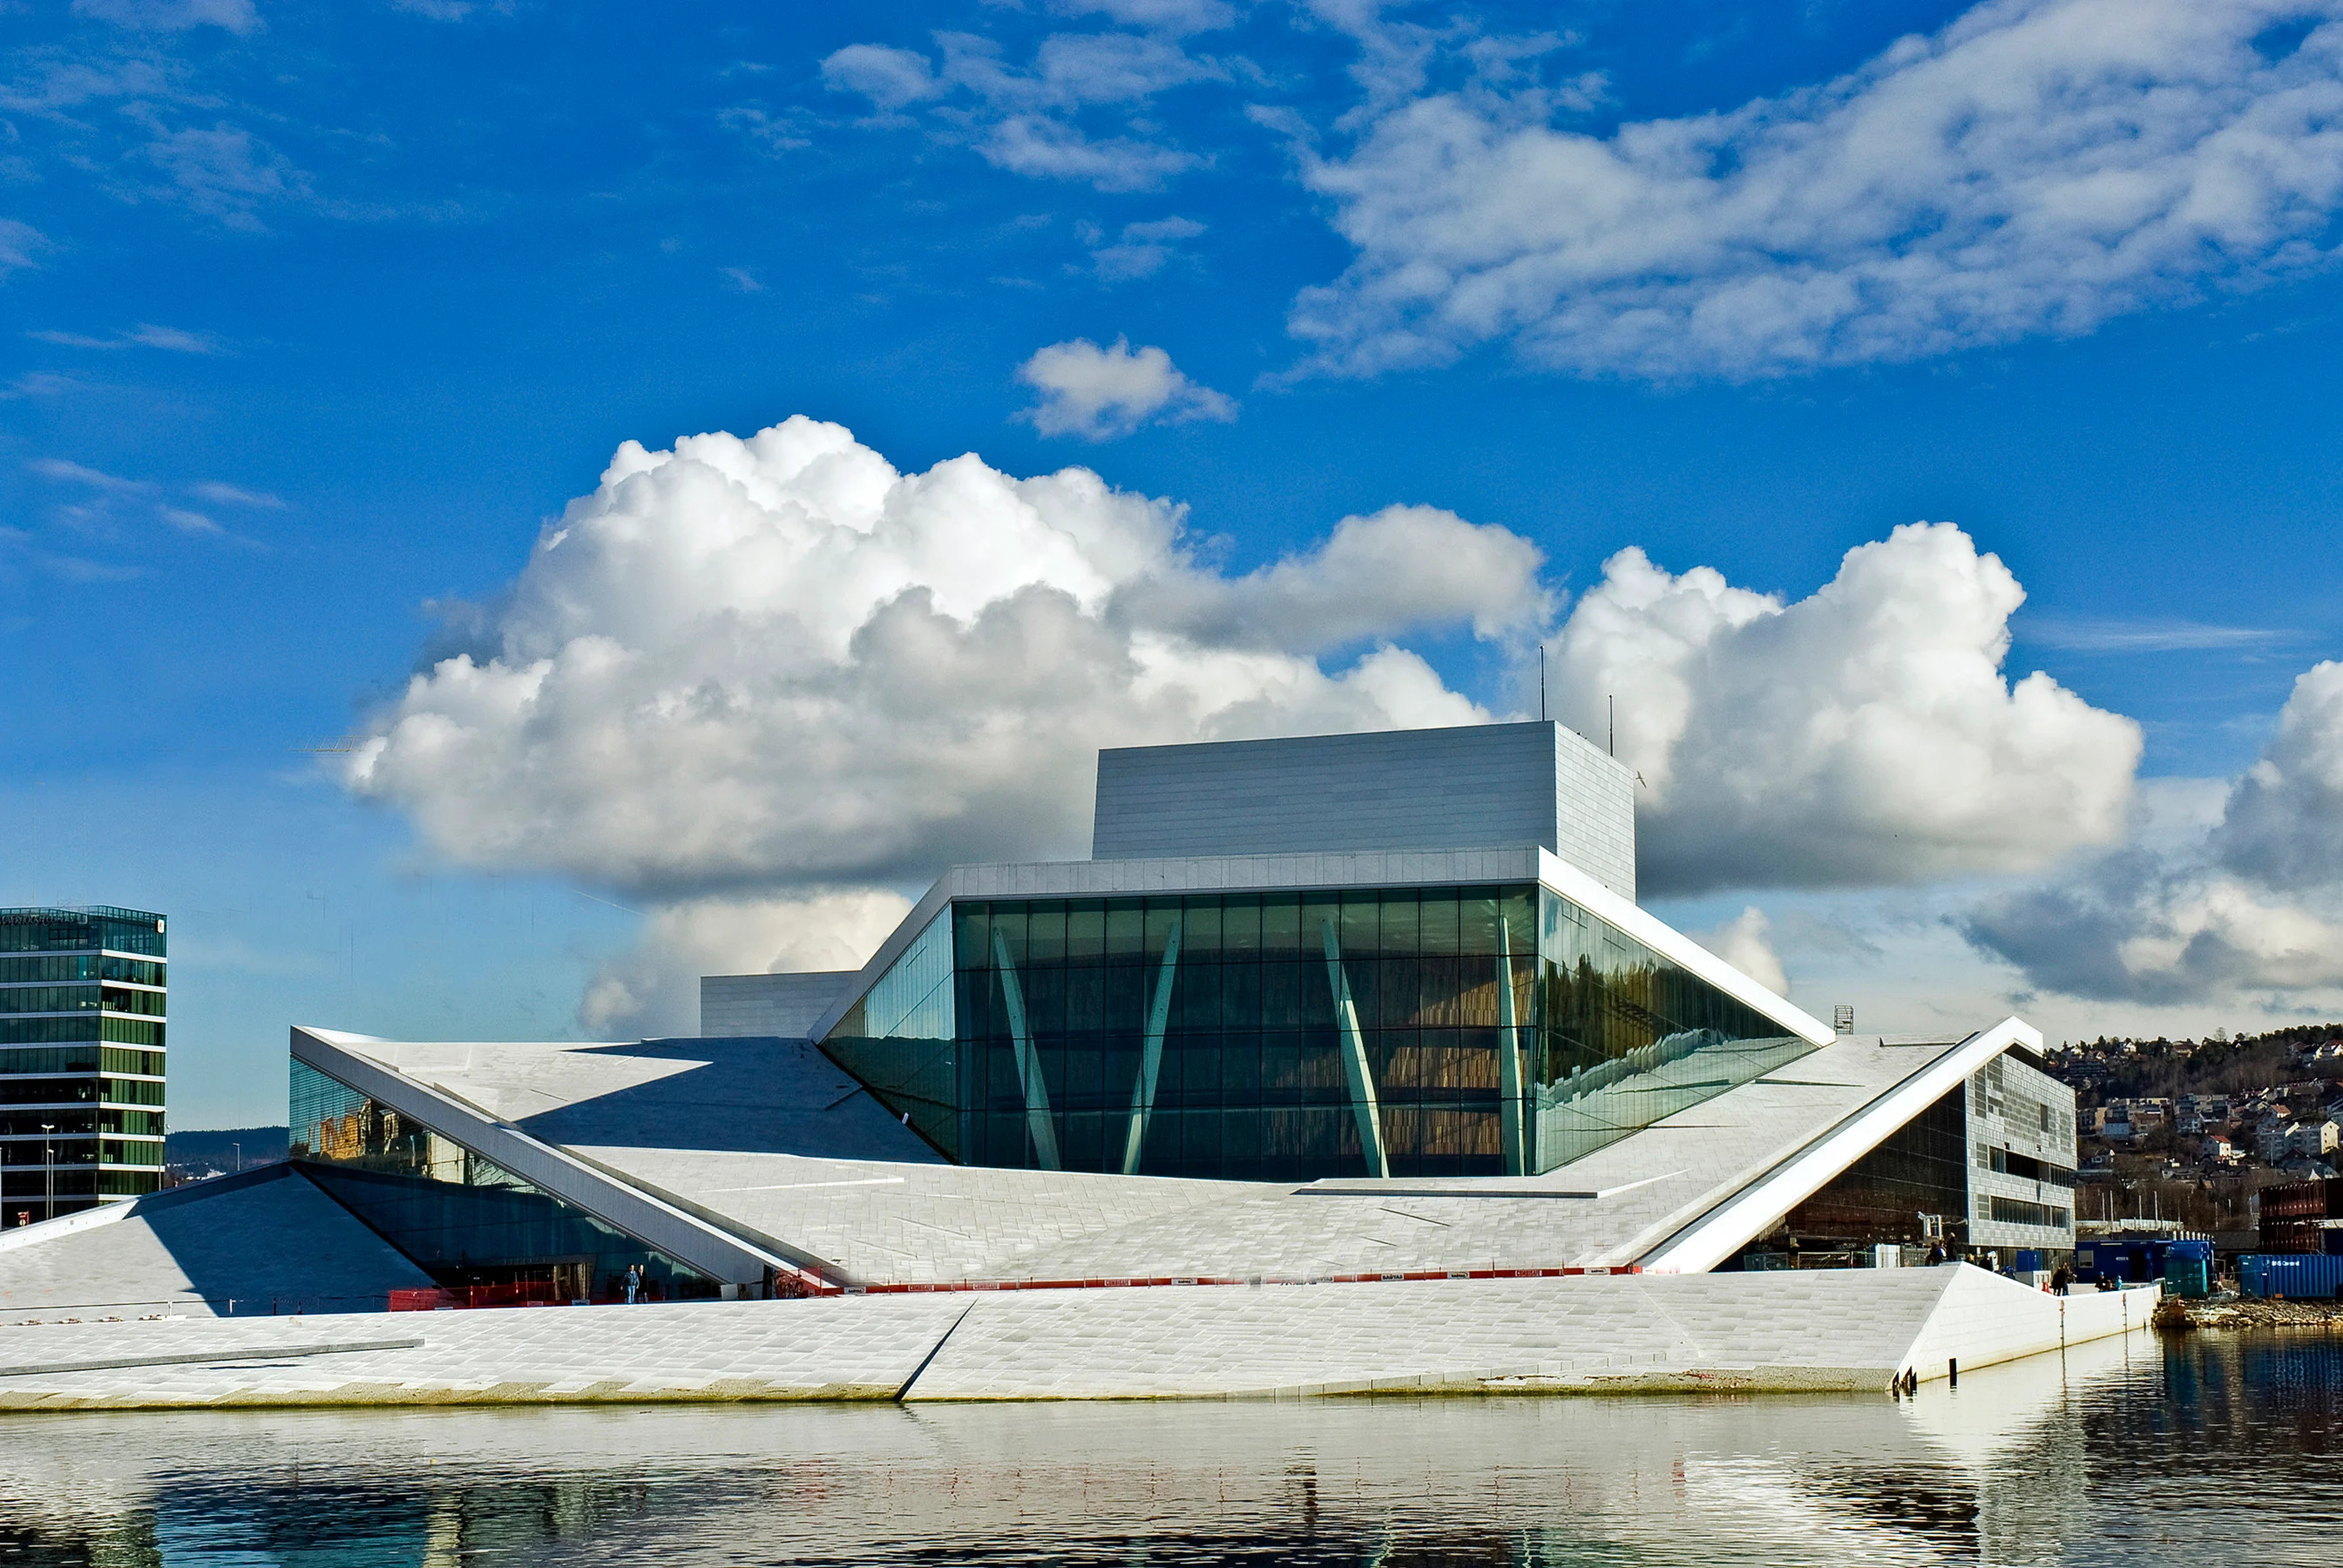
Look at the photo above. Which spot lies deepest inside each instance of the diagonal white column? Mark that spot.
(1354, 1057)
(1038, 1125)
(1151, 1057)
(1509, 1059)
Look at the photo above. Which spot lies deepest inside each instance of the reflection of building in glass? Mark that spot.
(1912, 1190)
(1406, 954)
(1285, 1035)
(82, 1019)
(1990, 1167)
(466, 1220)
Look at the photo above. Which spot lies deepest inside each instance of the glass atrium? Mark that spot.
(464, 1220)
(1280, 1036)
(82, 1021)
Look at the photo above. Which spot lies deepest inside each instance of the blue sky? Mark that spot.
(317, 315)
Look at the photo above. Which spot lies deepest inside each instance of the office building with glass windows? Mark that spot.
(82, 1050)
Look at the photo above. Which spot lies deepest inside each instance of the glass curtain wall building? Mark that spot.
(82, 1050)
(1913, 1189)
(464, 1220)
(1294, 1035)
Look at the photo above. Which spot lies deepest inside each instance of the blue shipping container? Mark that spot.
(2309, 1276)
(2136, 1260)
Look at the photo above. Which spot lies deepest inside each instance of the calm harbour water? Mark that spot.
(2214, 1449)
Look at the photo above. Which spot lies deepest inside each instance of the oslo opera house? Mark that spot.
(1344, 1064)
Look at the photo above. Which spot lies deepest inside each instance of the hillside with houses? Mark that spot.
(2192, 1129)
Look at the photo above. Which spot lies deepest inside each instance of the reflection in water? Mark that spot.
(2198, 1450)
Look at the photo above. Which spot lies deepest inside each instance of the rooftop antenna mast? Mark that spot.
(1614, 726)
(1540, 683)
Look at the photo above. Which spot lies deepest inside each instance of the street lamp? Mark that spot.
(49, 1169)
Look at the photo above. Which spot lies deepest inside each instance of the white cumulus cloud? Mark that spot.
(774, 670)
(1746, 942)
(2284, 823)
(1864, 736)
(1100, 394)
(2250, 909)
(2036, 168)
(765, 686)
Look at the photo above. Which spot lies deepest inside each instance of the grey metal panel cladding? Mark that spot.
(1534, 783)
(785, 1005)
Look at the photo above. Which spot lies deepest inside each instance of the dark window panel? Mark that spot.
(1241, 925)
(1280, 925)
(1085, 930)
(1125, 930)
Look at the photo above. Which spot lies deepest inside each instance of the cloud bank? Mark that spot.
(776, 669)
(2252, 910)
(2036, 169)
(1863, 737)
(766, 685)
(1102, 394)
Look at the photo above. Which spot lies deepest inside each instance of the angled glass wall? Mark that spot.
(1627, 1037)
(463, 1219)
(1912, 1189)
(1395, 1031)
(898, 1037)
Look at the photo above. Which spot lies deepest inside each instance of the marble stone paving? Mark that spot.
(264, 1239)
(1822, 1329)
(877, 1222)
(1844, 1327)
(955, 1224)
(880, 1223)
(844, 1348)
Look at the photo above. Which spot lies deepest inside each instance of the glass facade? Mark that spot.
(1921, 1170)
(1404, 1031)
(463, 1219)
(83, 1007)
(2019, 1211)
